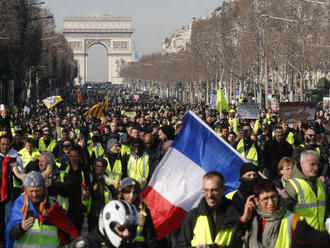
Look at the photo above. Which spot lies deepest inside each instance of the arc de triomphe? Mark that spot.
(114, 33)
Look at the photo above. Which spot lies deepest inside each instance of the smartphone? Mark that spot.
(29, 214)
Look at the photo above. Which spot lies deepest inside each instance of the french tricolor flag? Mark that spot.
(176, 185)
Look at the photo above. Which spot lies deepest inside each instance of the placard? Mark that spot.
(248, 110)
(296, 111)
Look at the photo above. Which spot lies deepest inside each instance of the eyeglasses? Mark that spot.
(311, 135)
(266, 199)
(67, 145)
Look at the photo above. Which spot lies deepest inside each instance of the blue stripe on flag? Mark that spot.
(200, 144)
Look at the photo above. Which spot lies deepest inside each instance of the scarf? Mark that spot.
(4, 178)
(269, 235)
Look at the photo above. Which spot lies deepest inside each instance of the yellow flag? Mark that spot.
(96, 111)
(51, 101)
(221, 101)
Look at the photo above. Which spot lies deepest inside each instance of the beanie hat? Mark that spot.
(128, 181)
(246, 167)
(111, 143)
(33, 179)
(168, 131)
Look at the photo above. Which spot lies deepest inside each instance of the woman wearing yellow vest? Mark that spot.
(146, 236)
(273, 226)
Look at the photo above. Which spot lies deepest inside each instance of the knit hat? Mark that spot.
(168, 131)
(111, 143)
(246, 167)
(33, 179)
(128, 181)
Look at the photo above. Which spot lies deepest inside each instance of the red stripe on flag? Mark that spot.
(166, 216)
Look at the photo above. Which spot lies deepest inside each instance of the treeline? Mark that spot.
(33, 54)
(254, 47)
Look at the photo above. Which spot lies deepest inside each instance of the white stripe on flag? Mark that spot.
(178, 179)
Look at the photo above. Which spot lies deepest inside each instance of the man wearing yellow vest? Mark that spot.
(310, 144)
(46, 143)
(215, 221)
(36, 219)
(138, 162)
(306, 192)
(114, 167)
(247, 148)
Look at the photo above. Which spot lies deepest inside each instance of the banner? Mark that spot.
(326, 104)
(248, 110)
(51, 101)
(213, 100)
(296, 111)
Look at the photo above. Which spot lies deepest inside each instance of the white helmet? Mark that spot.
(122, 213)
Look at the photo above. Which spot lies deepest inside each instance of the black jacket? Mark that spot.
(227, 216)
(272, 154)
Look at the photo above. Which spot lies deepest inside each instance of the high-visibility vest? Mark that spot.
(125, 149)
(284, 237)
(97, 149)
(139, 229)
(107, 197)
(138, 168)
(39, 235)
(231, 194)
(116, 170)
(316, 149)
(202, 233)
(63, 201)
(252, 154)
(290, 139)
(49, 148)
(235, 124)
(309, 206)
(26, 156)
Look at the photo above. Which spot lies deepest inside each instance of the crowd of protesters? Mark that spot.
(86, 163)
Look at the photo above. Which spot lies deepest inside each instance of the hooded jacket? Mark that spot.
(226, 217)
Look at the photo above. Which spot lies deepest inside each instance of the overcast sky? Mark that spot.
(153, 20)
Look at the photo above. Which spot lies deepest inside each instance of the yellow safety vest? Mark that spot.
(317, 150)
(125, 149)
(107, 197)
(138, 168)
(231, 194)
(116, 170)
(139, 229)
(290, 139)
(251, 156)
(284, 237)
(26, 156)
(309, 206)
(202, 234)
(97, 149)
(40, 235)
(63, 201)
(235, 124)
(49, 148)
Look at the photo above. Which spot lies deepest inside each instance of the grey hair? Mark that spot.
(50, 157)
(306, 153)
